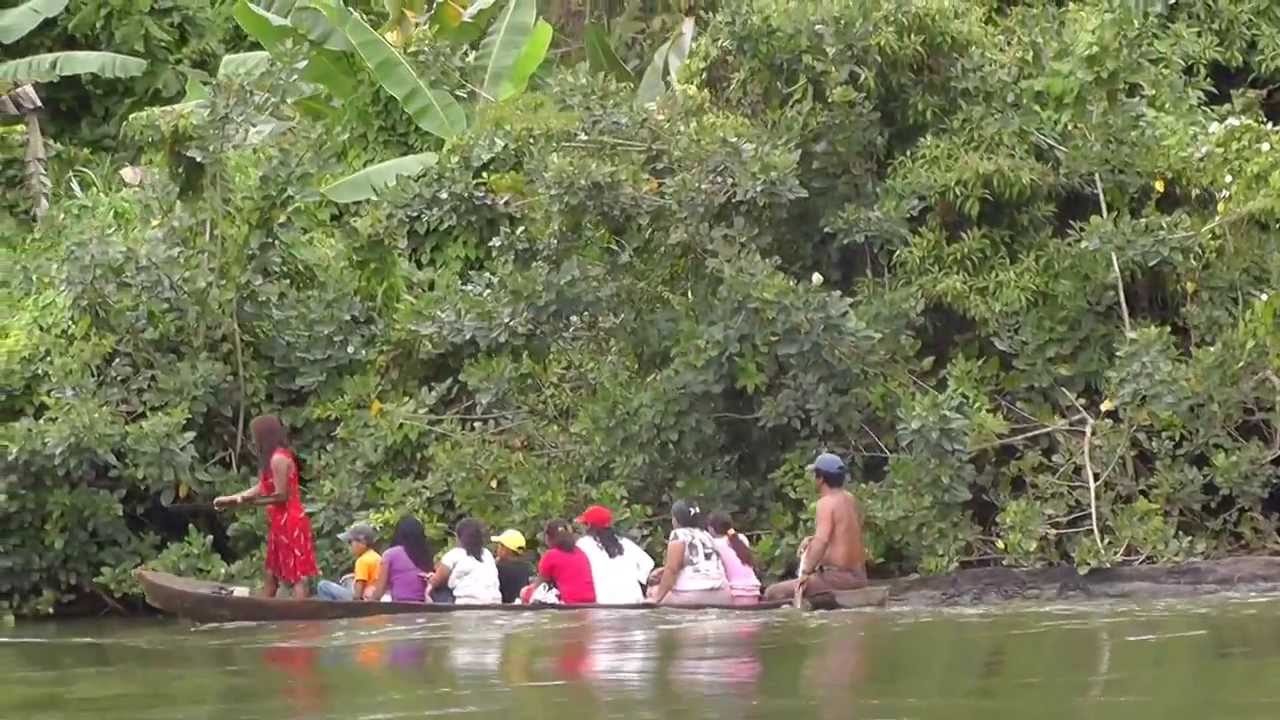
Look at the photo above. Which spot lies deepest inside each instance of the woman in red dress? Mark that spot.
(291, 556)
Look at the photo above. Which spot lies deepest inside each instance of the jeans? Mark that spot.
(330, 590)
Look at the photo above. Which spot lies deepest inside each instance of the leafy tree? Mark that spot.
(1017, 262)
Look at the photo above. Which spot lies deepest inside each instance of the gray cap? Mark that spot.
(829, 464)
(359, 531)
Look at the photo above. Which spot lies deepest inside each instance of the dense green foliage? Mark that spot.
(1020, 263)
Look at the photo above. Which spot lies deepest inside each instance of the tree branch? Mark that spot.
(877, 439)
(1089, 477)
(235, 334)
(1064, 425)
(1115, 262)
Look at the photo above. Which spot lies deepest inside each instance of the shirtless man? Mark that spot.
(834, 558)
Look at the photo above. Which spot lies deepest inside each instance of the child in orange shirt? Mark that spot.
(360, 537)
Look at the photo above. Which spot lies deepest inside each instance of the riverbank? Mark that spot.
(990, 586)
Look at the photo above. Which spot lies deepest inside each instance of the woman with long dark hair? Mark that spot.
(565, 567)
(619, 568)
(736, 556)
(406, 564)
(291, 555)
(468, 570)
(692, 573)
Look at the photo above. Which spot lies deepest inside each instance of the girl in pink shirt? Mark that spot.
(736, 557)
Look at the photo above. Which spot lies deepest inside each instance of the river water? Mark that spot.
(1212, 660)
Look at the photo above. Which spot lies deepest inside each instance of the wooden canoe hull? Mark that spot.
(871, 596)
(209, 602)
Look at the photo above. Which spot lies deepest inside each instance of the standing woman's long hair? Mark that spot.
(269, 436)
(471, 537)
(721, 524)
(410, 536)
(560, 535)
(607, 539)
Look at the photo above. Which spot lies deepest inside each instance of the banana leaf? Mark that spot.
(435, 111)
(600, 55)
(16, 22)
(369, 182)
(503, 45)
(269, 29)
(652, 85)
(535, 51)
(51, 66)
(244, 66)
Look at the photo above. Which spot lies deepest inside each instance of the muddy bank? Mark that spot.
(987, 586)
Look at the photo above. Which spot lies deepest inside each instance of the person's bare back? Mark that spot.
(844, 550)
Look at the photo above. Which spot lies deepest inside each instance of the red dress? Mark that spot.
(291, 555)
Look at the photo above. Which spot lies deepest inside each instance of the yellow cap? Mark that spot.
(512, 540)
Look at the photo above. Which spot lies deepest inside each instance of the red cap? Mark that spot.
(596, 516)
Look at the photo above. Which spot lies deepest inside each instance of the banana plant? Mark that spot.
(513, 45)
(18, 79)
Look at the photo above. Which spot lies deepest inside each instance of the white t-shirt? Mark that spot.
(618, 580)
(473, 582)
(702, 567)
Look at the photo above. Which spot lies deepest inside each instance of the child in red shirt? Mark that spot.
(565, 566)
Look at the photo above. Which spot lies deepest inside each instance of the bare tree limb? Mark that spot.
(875, 437)
(1115, 261)
(1064, 425)
(1124, 303)
(1102, 198)
(1089, 477)
(235, 335)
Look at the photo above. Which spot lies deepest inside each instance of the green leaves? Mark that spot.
(369, 182)
(503, 45)
(600, 55)
(16, 22)
(52, 66)
(435, 111)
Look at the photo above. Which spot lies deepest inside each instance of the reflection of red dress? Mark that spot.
(291, 555)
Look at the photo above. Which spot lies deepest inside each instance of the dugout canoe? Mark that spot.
(211, 602)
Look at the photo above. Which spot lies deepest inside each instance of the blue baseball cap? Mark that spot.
(829, 464)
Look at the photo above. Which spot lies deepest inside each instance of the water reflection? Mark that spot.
(1128, 664)
(300, 685)
(837, 669)
(716, 657)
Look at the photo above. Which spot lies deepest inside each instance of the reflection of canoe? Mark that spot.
(215, 602)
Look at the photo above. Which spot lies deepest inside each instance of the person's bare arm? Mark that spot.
(670, 570)
(817, 550)
(380, 585)
(438, 578)
(239, 498)
(281, 466)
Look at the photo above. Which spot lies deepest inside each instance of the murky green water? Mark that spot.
(1218, 661)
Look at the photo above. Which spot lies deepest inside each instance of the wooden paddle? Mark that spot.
(798, 601)
(208, 507)
(191, 507)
